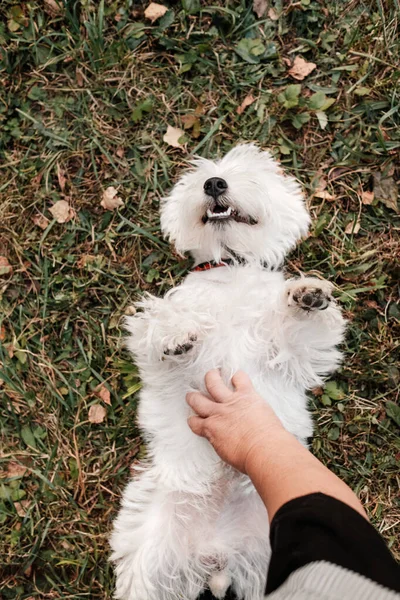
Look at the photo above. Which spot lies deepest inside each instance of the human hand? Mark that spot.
(236, 422)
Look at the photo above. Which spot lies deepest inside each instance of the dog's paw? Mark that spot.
(309, 294)
(177, 347)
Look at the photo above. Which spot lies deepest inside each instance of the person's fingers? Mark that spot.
(242, 381)
(216, 387)
(202, 405)
(196, 424)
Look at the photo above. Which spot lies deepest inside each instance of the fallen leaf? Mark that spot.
(386, 191)
(367, 197)
(61, 177)
(322, 118)
(22, 507)
(14, 469)
(154, 11)
(301, 68)
(110, 200)
(2, 333)
(192, 122)
(273, 15)
(97, 413)
(362, 91)
(85, 259)
(41, 221)
(28, 570)
(260, 7)
(353, 227)
(246, 102)
(103, 393)
(79, 77)
(62, 211)
(173, 135)
(5, 267)
(324, 195)
(318, 391)
(200, 110)
(188, 121)
(37, 179)
(53, 8)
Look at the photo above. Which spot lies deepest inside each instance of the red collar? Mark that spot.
(206, 266)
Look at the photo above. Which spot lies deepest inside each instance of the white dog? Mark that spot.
(189, 522)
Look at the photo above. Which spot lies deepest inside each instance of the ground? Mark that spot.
(87, 92)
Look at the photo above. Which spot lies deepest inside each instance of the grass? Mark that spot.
(87, 90)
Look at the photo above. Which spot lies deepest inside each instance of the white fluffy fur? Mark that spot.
(187, 520)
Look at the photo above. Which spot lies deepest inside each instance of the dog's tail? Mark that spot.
(219, 582)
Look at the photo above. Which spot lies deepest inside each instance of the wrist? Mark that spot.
(263, 453)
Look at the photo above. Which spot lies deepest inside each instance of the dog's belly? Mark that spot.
(183, 458)
(235, 321)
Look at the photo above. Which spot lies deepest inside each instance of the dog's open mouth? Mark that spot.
(219, 214)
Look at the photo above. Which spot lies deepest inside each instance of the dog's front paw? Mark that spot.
(179, 346)
(309, 294)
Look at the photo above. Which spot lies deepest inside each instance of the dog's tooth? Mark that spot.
(228, 212)
(210, 214)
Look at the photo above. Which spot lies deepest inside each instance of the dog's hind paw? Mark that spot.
(309, 294)
(179, 347)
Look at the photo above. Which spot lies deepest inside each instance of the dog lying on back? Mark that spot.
(189, 522)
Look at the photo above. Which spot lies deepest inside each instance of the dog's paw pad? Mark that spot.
(310, 298)
(177, 349)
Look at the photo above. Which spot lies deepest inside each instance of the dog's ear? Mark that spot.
(174, 218)
(170, 217)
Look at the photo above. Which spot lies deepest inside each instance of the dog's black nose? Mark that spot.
(215, 186)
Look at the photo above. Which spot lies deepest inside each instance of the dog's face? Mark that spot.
(241, 205)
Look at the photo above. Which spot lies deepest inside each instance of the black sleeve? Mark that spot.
(318, 527)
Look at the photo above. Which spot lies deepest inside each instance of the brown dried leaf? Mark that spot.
(61, 177)
(189, 121)
(41, 221)
(97, 413)
(14, 469)
(110, 200)
(28, 570)
(62, 211)
(301, 68)
(154, 11)
(386, 191)
(273, 15)
(352, 228)
(79, 77)
(246, 102)
(22, 507)
(2, 333)
(5, 267)
(324, 195)
(37, 179)
(200, 110)
(367, 197)
(173, 136)
(53, 8)
(260, 7)
(318, 391)
(103, 393)
(85, 260)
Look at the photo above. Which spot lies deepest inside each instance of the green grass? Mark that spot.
(87, 91)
